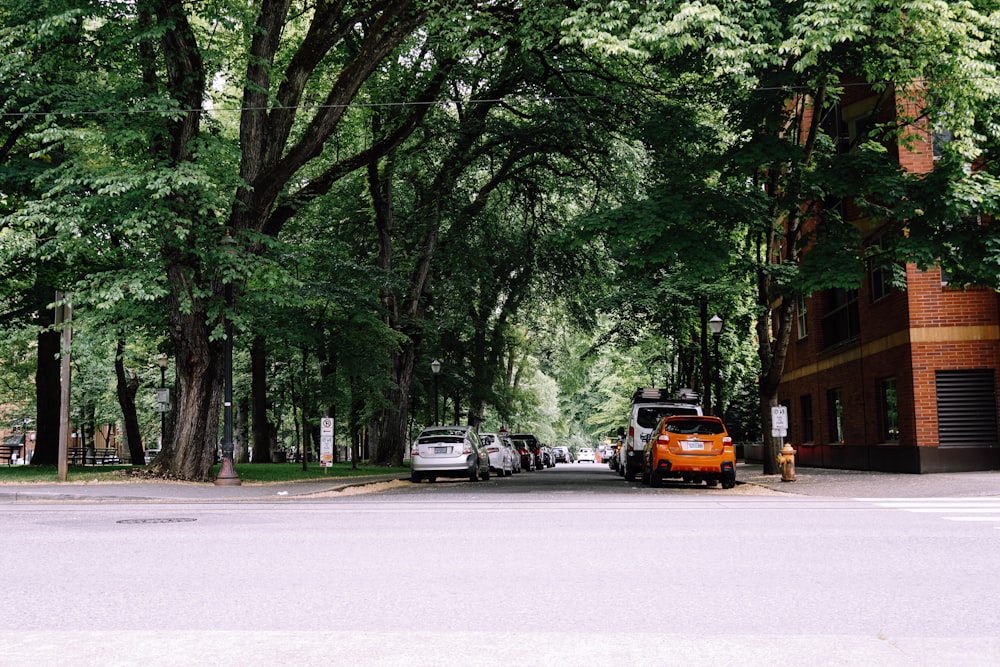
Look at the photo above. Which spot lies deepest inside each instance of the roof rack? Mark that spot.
(660, 395)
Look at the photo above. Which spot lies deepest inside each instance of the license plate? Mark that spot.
(442, 450)
(693, 446)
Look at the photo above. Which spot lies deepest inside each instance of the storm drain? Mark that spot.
(173, 520)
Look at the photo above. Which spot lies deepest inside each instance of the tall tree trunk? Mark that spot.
(706, 376)
(389, 437)
(127, 387)
(328, 374)
(241, 450)
(356, 426)
(778, 320)
(47, 396)
(191, 451)
(306, 408)
(262, 428)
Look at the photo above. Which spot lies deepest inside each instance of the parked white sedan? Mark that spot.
(501, 457)
(585, 454)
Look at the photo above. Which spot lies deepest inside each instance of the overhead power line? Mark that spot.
(790, 88)
(305, 107)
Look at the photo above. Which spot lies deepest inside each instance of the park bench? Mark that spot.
(10, 448)
(90, 456)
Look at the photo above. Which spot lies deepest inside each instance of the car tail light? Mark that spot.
(493, 449)
(663, 439)
(467, 449)
(415, 451)
(727, 441)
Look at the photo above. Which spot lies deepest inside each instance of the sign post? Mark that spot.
(779, 421)
(325, 443)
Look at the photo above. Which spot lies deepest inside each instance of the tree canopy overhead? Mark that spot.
(487, 183)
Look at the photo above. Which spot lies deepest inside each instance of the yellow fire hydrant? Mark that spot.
(786, 461)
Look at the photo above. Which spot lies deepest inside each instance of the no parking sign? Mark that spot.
(326, 441)
(779, 421)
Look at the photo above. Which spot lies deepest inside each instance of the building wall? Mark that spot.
(907, 336)
(951, 329)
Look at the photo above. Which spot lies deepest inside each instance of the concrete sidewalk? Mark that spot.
(868, 484)
(140, 491)
(809, 482)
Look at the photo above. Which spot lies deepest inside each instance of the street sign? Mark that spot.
(503, 431)
(779, 421)
(326, 442)
(163, 400)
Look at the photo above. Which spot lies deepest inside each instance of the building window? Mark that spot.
(888, 410)
(939, 138)
(806, 408)
(841, 322)
(835, 408)
(800, 316)
(879, 270)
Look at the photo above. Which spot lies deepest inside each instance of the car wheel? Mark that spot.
(654, 480)
(486, 475)
(474, 475)
(729, 481)
(711, 482)
(629, 475)
(415, 477)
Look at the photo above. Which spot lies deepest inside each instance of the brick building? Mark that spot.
(883, 379)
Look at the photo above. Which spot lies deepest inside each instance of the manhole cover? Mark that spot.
(175, 520)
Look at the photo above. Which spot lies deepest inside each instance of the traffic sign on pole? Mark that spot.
(779, 421)
(326, 442)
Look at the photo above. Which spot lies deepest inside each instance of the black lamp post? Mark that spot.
(715, 324)
(435, 369)
(227, 473)
(161, 361)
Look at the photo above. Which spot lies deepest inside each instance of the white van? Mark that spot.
(649, 405)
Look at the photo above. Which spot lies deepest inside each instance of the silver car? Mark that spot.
(448, 451)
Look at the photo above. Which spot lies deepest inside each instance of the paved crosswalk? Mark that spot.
(982, 509)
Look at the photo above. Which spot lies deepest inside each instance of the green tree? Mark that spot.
(779, 71)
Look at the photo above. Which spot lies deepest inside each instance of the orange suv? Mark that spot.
(691, 447)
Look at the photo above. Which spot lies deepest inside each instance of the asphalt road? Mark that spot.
(567, 566)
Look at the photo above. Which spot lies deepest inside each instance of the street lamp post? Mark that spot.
(435, 369)
(161, 361)
(227, 473)
(715, 324)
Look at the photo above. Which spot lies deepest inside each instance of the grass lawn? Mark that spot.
(248, 472)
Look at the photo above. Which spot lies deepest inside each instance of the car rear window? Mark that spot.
(441, 438)
(650, 416)
(695, 426)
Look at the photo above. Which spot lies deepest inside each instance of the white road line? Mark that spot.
(986, 509)
(947, 499)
